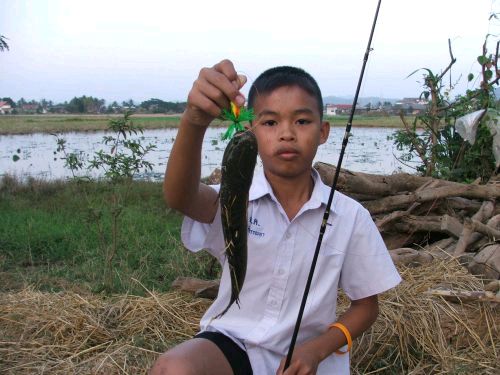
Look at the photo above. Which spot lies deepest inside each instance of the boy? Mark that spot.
(286, 205)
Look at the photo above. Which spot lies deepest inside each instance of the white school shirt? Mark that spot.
(353, 257)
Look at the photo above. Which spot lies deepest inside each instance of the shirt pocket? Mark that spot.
(325, 284)
(329, 250)
(328, 267)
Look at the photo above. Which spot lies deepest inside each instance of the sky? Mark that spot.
(121, 50)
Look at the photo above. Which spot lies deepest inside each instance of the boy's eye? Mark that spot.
(269, 123)
(303, 121)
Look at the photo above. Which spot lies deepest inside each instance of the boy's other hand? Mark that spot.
(305, 361)
(212, 91)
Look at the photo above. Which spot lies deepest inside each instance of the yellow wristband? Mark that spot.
(345, 331)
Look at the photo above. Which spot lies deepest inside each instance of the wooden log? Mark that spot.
(465, 295)
(399, 201)
(213, 178)
(399, 214)
(395, 240)
(462, 204)
(485, 212)
(209, 292)
(492, 233)
(479, 241)
(486, 263)
(382, 222)
(410, 257)
(493, 286)
(370, 185)
(467, 237)
(198, 287)
(445, 224)
(441, 249)
(404, 255)
(494, 222)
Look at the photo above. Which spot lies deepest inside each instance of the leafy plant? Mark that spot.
(432, 137)
(3, 44)
(123, 158)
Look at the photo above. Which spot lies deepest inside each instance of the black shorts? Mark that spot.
(237, 357)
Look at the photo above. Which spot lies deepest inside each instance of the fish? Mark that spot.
(238, 164)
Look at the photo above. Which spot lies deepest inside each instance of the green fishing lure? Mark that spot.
(237, 115)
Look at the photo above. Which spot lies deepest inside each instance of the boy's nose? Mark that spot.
(287, 132)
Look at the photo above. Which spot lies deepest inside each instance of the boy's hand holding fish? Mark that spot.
(212, 92)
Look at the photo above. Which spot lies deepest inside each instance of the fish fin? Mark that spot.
(223, 312)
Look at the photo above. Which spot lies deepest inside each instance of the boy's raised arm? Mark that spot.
(213, 90)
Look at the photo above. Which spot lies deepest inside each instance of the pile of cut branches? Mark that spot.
(422, 218)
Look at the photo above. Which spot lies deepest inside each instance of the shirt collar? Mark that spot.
(320, 194)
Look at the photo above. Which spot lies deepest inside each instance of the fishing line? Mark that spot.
(330, 198)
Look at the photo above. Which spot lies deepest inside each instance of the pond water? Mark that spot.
(369, 150)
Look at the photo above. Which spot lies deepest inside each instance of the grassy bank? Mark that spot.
(55, 235)
(20, 124)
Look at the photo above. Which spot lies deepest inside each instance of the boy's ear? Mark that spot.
(324, 132)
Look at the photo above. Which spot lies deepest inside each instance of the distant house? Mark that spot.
(413, 106)
(29, 108)
(337, 109)
(5, 108)
(58, 108)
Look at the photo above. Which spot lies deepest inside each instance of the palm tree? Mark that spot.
(3, 44)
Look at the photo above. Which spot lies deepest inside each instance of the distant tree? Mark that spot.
(85, 104)
(9, 101)
(160, 106)
(75, 105)
(128, 104)
(3, 44)
(114, 107)
(21, 102)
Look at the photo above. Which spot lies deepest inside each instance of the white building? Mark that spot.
(5, 108)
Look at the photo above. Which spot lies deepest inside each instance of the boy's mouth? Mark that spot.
(287, 153)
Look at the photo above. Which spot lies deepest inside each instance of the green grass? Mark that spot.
(50, 238)
(24, 124)
(367, 121)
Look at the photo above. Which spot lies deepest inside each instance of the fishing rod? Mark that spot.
(330, 198)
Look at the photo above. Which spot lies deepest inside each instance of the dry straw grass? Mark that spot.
(66, 333)
(49, 333)
(421, 334)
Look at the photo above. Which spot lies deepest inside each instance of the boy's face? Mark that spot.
(289, 130)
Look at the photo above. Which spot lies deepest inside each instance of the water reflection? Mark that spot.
(369, 150)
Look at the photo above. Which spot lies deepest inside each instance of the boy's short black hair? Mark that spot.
(281, 76)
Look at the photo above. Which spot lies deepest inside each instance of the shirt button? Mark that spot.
(273, 303)
(281, 272)
(287, 235)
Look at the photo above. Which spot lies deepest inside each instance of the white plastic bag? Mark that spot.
(467, 125)
(493, 123)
